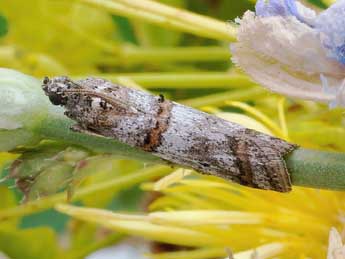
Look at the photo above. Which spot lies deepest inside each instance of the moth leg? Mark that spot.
(77, 128)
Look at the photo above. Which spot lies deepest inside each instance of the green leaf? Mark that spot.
(3, 26)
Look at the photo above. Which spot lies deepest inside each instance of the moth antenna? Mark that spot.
(109, 100)
(75, 83)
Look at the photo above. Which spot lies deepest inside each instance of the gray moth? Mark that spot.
(174, 132)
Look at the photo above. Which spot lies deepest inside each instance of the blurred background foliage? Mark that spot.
(76, 38)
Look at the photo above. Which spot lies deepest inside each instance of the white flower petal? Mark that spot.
(285, 56)
(334, 243)
(307, 15)
(331, 26)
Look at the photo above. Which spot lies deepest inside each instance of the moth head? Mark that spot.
(55, 89)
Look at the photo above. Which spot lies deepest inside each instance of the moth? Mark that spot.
(174, 132)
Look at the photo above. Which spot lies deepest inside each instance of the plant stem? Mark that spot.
(317, 169)
(134, 55)
(168, 80)
(168, 17)
(57, 127)
(219, 99)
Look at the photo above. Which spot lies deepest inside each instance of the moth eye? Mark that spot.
(56, 99)
(46, 80)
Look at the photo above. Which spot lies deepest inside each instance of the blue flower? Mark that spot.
(331, 26)
(291, 49)
(329, 23)
(266, 8)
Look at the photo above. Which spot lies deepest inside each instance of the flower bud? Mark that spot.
(23, 106)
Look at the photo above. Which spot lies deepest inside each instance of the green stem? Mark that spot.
(317, 169)
(133, 55)
(57, 127)
(168, 80)
(219, 99)
(168, 17)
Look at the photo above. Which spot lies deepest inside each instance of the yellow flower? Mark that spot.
(210, 215)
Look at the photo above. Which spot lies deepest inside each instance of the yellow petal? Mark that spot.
(170, 179)
(204, 217)
(141, 227)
